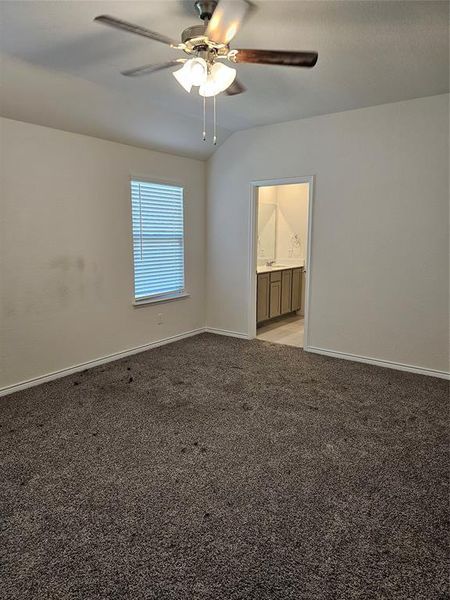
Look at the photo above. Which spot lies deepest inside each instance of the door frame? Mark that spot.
(253, 248)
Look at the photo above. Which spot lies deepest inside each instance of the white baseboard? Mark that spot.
(379, 362)
(22, 385)
(236, 334)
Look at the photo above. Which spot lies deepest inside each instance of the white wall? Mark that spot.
(66, 249)
(380, 244)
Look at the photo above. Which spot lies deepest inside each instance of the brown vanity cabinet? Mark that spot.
(278, 293)
(262, 297)
(275, 295)
(286, 292)
(297, 289)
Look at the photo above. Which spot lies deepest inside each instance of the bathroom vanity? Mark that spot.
(279, 291)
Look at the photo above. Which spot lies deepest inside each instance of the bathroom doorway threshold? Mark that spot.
(288, 331)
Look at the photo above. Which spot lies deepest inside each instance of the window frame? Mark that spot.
(165, 296)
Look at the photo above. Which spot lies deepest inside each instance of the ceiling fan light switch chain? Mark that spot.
(204, 118)
(214, 122)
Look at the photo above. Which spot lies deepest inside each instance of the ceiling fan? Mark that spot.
(208, 49)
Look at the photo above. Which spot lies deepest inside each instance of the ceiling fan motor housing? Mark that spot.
(194, 32)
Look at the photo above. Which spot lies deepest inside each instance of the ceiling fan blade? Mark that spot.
(227, 19)
(235, 88)
(137, 29)
(148, 69)
(287, 58)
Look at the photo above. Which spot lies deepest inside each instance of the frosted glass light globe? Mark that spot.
(183, 76)
(198, 71)
(218, 80)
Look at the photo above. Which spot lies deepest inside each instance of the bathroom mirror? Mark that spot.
(267, 226)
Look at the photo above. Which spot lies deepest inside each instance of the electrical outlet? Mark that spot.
(160, 318)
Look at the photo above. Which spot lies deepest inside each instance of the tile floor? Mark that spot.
(287, 331)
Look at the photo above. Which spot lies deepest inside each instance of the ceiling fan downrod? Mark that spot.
(205, 9)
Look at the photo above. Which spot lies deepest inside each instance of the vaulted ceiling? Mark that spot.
(62, 70)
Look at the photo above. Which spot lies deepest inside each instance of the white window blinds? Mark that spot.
(158, 239)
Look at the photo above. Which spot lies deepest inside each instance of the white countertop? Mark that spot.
(264, 269)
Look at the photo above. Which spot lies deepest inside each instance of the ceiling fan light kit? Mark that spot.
(193, 72)
(207, 46)
(219, 78)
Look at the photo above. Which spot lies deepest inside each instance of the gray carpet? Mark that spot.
(223, 469)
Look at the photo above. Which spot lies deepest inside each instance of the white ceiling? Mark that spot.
(61, 69)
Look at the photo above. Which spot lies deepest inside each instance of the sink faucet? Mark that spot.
(270, 263)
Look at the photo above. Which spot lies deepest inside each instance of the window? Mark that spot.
(158, 240)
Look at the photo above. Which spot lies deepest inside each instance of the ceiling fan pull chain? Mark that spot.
(204, 118)
(214, 121)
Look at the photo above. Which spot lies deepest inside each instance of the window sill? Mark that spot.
(156, 299)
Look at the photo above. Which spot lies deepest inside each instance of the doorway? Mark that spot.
(280, 260)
